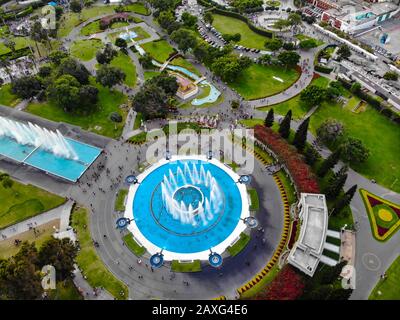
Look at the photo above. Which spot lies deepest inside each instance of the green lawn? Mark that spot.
(85, 50)
(125, 63)
(255, 204)
(377, 133)
(7, 98)
(71, 19)
(257, 81)
(185, 64)
(194, 266)
(120, 201)
(150, 74)
(352, 103)
(389, 288)
(239, 245)
(251, 123)
(90, 263)
(298, 108)
(21, 202)
(65, 290)
(230, 25)
(98, 121)
(138, 121)
(302, 37)
(94, 27)
(138, 8)
(159, 50)
(133, 245)
(20, 42)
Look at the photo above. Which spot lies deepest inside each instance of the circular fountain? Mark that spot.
(187, 206)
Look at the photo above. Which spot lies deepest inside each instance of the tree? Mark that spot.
(243, 5)
(355, 87)
(313, 95)
(273, 44)
(26, 87)
(151, 102)
(329, 131)
(75, 6)
(353, 151)
(56, 57)
(344, 52)
(61, 255)
(294, 19)
(163, 5)
(165, 82)
(38, 34)
(189, 20)
(208, 17)
(107, 54)
(311, 156)
(184, 38)
(345, 200)
(269, 119)
(300, 137)
(74, 68)
(19, 277)
(235, 104)
(289, 58)
(332, 93)
(336, 183)
(265, 59)
(45, 71)
(391, 76)
(109, 76)
(146, 61)
(64, 92)
(88, 97)
(167, 21)
(329, 163)
(284, 127)
(121, 43)
(7, 183)
(229, 67)
(281, 24)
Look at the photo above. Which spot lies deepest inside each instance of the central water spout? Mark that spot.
(191, 195)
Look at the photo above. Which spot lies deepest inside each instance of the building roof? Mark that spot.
(307, 251)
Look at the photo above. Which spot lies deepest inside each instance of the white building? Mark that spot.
(307, 251)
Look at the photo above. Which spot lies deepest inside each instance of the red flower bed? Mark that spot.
(287, 285)
(315, 76)
(299, 170)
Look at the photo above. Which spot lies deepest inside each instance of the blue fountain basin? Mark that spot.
(160, 228)
(44, 160)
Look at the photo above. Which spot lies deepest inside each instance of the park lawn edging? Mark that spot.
(254, 201)
(239, 245)
(191, 266)
(131, 243)
(88, 260)
(120, 201)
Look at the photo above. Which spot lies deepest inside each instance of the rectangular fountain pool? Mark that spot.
(49, 162)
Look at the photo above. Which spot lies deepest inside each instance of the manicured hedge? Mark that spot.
(323, 69)
(236, 15)
(15, 55)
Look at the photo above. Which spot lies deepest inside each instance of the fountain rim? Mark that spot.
(201, 255)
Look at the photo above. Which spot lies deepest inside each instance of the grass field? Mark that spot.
(239, 245)
(133, 245)
(194, 266)
(138, 8)
(7, 98)
(389, 288)
(44, 233)
(376, 132)
(98, 121)
(298, 108)
(229, 25)
(257, 81)
(21, 202)
(255, 204)
(85, 50)
(65, 290)
(120, 201)
(159, 50)
(185, 64)
(302, 37)
(90, 263)
(71, 19)
(94, 27)
(125, 63)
